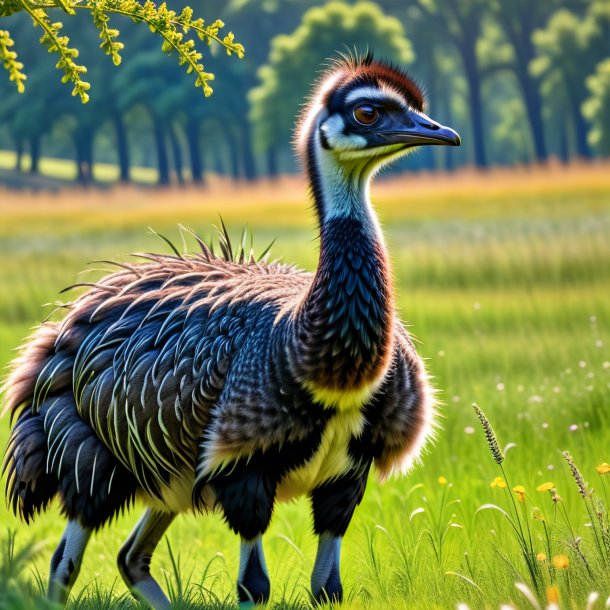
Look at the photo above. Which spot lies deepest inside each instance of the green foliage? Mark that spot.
(561, 46)
(294, 58)
(571, 45)
(595, 108)
(173, 28)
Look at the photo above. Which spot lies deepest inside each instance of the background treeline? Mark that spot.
(521, 80)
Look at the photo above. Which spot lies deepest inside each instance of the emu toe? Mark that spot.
(331, 592)
(326, 579)
(253, 586)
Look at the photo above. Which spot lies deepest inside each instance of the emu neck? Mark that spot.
(345, 321)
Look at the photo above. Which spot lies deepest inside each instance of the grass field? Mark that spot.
(505, 281)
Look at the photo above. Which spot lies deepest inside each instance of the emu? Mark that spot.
(198, 383)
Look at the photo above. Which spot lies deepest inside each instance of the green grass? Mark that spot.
(65, 170)
(506, 287)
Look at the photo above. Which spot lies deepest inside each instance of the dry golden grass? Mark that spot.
(531, 191)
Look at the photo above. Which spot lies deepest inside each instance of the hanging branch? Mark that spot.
(174, 29)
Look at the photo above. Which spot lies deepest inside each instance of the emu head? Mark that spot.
(363, 113)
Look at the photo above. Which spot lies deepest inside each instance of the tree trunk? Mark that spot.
(18, 154)
(521, 40)
(580, 125)
(564, 144)
(162, 160)
(530, 88)
(272, 163)
(176, 153)
(122, 146)
(533, 107)
(34, 154)
(84, 155)
(233, 156)
(246, 152)
(219, 166)
(192, 138)
(476, 107)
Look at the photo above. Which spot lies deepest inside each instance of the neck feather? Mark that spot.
(344, 324)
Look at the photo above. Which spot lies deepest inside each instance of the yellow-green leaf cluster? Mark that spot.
(9, 59)
(174, 29)
(59, 44)
(110, 45)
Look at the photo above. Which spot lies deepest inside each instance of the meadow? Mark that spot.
(504, 279)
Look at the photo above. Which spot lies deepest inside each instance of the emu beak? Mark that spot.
(417, 129)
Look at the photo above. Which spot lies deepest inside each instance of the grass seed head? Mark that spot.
(490, 435)
(583, 488)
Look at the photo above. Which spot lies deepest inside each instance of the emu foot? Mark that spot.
(253, 586)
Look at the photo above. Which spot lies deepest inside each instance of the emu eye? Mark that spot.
(366, 114)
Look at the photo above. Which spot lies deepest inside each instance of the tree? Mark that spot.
(595, 108)
(565, 54)
(460, 23)
(293, 58)
(519, 19)
(146, 84)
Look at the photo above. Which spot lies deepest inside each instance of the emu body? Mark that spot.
(200, 383)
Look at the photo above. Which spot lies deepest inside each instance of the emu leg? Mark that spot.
(66, 561)
(253, 585)
(135, 555)
(325, 578)
(333, 505)
(246, 493)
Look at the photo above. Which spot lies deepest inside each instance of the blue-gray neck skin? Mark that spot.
(344, 325)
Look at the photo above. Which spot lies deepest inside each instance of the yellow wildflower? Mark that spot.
(442, 480)
(546, 486)
(603, 468)
(561, 562)
(552, 595)
(520, 491)
(498, 482)
(541, 557)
